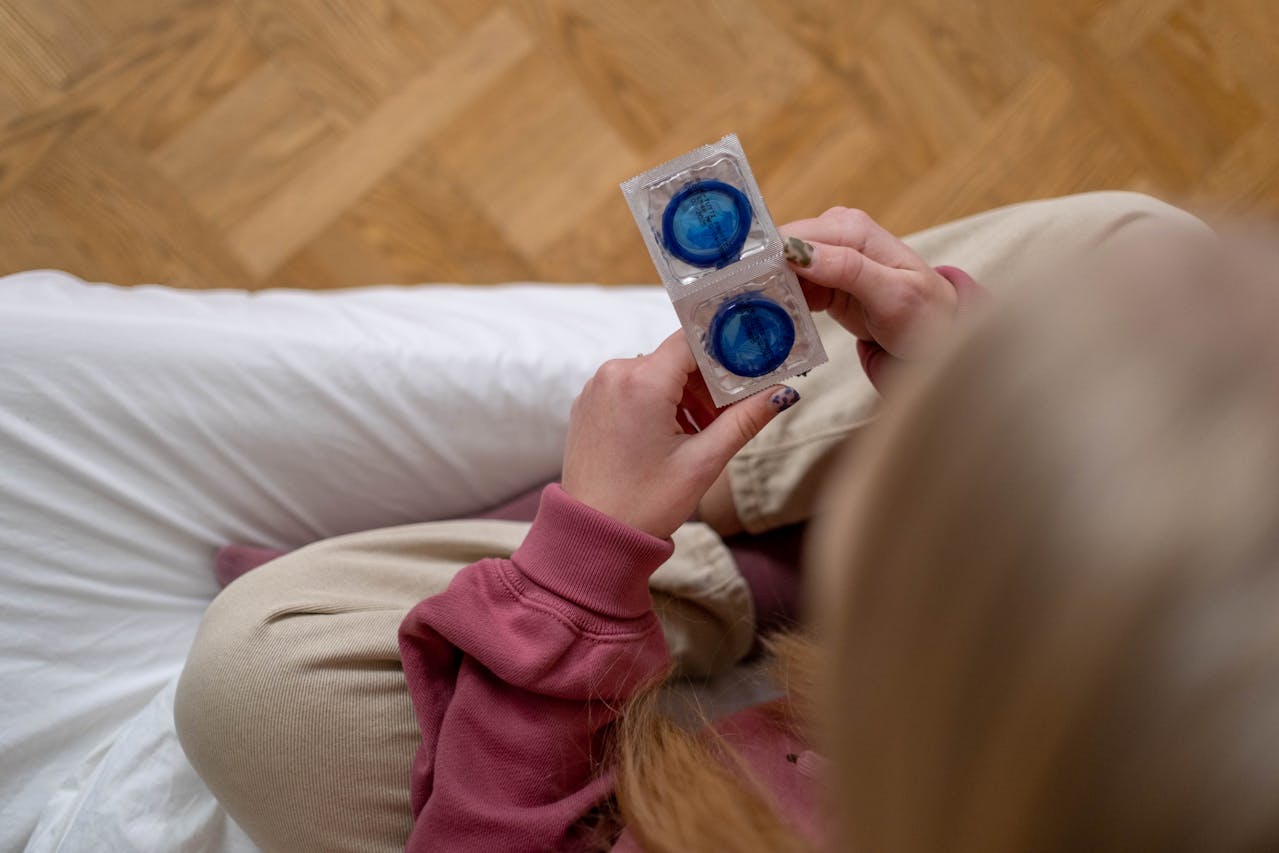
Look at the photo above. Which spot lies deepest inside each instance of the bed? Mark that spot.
(141, 428)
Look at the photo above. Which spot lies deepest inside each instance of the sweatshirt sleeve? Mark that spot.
(516, 670)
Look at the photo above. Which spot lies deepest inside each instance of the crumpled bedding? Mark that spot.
(141, 428)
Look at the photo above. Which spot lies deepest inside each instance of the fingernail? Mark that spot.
(784, 399)
(797, 252)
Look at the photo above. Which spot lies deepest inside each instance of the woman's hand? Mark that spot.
(628, 455)
(872, 284)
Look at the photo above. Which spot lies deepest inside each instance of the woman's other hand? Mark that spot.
(872, 284)
(628, 454)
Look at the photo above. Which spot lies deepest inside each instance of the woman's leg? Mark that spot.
(775, 479)
(293, 705)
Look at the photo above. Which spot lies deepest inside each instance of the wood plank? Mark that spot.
(1194, 77)
(971, 177)
(419, 224)
(1246, 178)
(1122, 25)
(323, 191)
(647, 68)
(96, 209)
(567, 156)
(169, 70)
(133, 85)
(247, 146)
(349, 54)
(43, 44)
(804, 174)
(321, 143)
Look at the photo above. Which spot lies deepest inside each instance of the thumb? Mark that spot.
(742, 421)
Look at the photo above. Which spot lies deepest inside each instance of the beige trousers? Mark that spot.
(292, 705)
(775, 479)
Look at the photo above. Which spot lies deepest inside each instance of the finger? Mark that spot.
(877, 362)
(848, 270)
(841, 305)
(674, 354)
(817, 298)
(696, 405)
(672, 367)
(970, 295)
(855, 229)
(741, 422)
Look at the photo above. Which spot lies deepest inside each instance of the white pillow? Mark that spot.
(140, 428)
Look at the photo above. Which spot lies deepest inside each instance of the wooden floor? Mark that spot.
(319, 143)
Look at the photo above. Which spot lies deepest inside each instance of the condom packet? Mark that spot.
(720, 258)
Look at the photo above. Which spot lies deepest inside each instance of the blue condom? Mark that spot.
(751, 335)
(706, 223)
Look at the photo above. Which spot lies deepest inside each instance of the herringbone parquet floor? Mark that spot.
(318, 143)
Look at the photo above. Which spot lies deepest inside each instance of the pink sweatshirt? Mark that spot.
(517, 670)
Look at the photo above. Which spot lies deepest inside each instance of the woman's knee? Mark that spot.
(295, 714)
(230, 692)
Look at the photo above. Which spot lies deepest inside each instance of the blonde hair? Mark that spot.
(1051, 587)
(1060, 630)
(679, 791)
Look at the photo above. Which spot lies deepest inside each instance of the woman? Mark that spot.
(1056, 613)
(519, 668)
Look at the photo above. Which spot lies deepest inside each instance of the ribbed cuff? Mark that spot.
(589, 558)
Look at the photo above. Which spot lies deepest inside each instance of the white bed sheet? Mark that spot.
(141, 428)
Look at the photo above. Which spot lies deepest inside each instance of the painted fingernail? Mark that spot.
(784, 399)
(797, 252)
